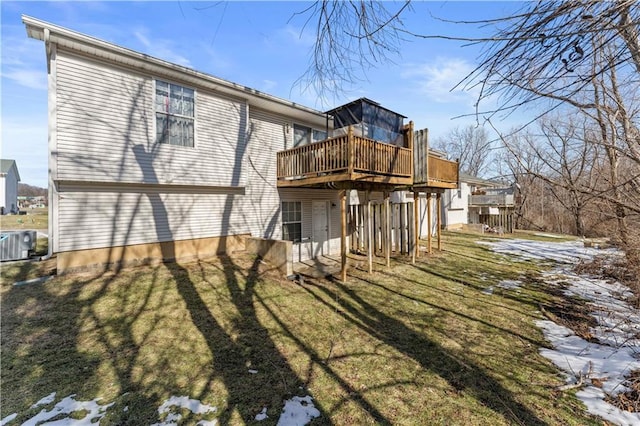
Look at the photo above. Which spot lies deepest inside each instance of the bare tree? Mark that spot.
(470, 145)
(567, 157)
(351, 37)
(524, 165)
(550, 51)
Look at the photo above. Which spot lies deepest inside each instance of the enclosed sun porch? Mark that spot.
(369, 145)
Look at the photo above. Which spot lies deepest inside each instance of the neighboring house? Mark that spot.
(151, 160)
(479, 201)
(9, 178)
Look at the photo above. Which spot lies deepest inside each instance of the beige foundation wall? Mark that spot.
(153, 253)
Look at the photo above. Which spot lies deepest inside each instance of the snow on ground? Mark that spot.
(46, 400)
(7, 419)
(297, 411)
(617, 330)
(92, 409)
(261, 415)
(570, 252)
(172, 407)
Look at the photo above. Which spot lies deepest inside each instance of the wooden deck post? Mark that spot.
(370, 245)
(387, 227)
(343, 237)
(429, 222)
(411, 147)
(439, 220)
(350, 152)
(416, 226)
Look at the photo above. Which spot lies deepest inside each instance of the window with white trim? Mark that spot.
(175, 108)
(292, 221)
(303, 135)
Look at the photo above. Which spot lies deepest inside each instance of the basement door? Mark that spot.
(320, 237)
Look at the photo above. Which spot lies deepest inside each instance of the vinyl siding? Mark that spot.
(455, 209)
(116, 186)
(9, 190)
(105, 133)
(114, 217)
(105, 122)
(265, 137)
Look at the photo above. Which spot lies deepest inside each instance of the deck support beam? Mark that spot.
(439, 219)
(416, 232)
(370, 245)
(387, 228)
(430, 225)
(343, 236)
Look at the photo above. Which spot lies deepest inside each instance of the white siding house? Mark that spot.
(151, 159)
(455, 206)
(9, 178)
(465, 205)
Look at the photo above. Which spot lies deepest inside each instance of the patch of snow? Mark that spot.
(577, 357)
(488, 290)
(594, 399)
(298, 411)
(192, 405)
(46, 400)
(569, 252)
(207, 423)
(262, 415)
(618, 323)
(180, 402)
(8, 419)
(253, 371)
(69, 405)
(616, 330)
(509, 284)
(95, 412)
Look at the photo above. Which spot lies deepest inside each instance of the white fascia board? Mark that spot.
(110, 52)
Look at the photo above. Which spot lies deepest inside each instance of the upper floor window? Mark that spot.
(175, 107)
(303, 135)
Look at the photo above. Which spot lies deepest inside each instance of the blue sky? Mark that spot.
(256, 44)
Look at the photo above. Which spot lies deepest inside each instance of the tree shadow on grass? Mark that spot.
(463, 375)
(42, 352)
(451, 311)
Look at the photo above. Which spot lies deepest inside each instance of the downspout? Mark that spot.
(47, 47)
(52, 204)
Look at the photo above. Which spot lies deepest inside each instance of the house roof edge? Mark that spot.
(76, 40)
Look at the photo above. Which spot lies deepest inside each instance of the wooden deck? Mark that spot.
(354, 159)
(440, 173)
(346, 158)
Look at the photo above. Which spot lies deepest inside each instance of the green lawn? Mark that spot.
(416, 345)
(34, 219)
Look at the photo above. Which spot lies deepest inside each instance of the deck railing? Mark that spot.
(344, 154)
(442, 170)
(491, 200)
(431, 170)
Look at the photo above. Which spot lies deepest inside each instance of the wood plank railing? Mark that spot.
(442, 170)
(344, 154)
(431, 170)
(371, 156)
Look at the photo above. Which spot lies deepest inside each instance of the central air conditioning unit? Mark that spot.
(17, 245)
